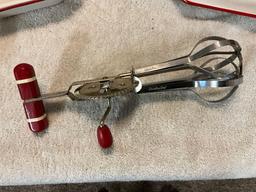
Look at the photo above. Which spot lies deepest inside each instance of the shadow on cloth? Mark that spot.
(39, 18)
(193, 12)
(125, 106)
(122, 107)
(66, 73)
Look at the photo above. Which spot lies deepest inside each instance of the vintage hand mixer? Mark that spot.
(214, 62)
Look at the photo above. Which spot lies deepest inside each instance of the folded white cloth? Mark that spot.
(169, 136)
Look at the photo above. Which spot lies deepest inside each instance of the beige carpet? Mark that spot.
(171, 136)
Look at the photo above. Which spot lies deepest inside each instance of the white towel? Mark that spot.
(169, 136)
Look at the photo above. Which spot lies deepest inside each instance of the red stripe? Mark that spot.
(220, 9)
(19, 5)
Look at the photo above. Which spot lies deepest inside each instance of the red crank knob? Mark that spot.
(104, 136)
(28, 88)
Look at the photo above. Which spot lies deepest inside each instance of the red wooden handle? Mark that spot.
(28, 88)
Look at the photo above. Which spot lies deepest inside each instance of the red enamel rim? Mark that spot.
(220, 9)
(19, 5)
